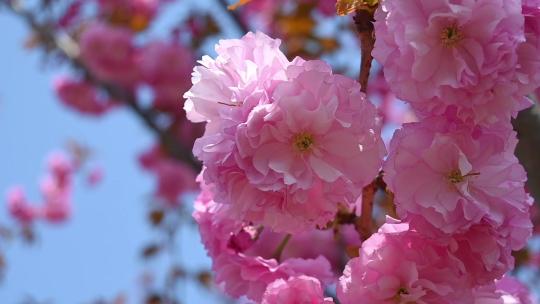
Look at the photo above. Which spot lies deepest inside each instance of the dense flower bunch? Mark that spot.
(111, 52)
(289, 145)
(290, 136)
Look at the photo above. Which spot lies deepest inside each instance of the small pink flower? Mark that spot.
(453, 53)
(56, 189)
(95, 176)
(19, 207)
(81, 96)
(166, 67)
(173, 177)
(295, 290)
(109, 53)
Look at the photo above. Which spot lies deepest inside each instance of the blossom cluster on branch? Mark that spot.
(303, 196)
(289, 146)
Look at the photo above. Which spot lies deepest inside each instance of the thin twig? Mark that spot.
(364, 25)
(279, 250)
(364, 223)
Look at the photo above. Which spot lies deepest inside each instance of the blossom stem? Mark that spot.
(364, 25)
(279, 250)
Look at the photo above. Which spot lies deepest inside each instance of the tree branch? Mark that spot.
(364, 25)
(364, 223)
(69, 49)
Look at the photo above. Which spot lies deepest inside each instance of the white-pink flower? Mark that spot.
(241, 76)
(295, 290)
(454, 176)
(441, 52)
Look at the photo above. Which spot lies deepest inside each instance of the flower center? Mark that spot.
(401, 291)
(303, 141)
(455, 176)
(451, 35)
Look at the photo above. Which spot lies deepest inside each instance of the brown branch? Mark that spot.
(364, 25)
(364, 223)
(69, 49)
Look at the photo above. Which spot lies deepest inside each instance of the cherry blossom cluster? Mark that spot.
(289, 146)
(55, 190)
(465, 68)
(111, 50)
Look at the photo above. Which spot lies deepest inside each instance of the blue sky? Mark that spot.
(95, 254)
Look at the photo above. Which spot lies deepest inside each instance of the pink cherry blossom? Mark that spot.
(398, 265)
(173, 177)
(315, 145)
(241, 275)
(166, 67)
(529, 51)
(228, 87)
(19, 207)
(95, 176)
(56, 207)
(507, 290)
(295, 290)
(454, 176)
(485, 254)
(109, 53)
(512, 288)
(453, 53)
(56, 189)
(81, 96)
(237, 272)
